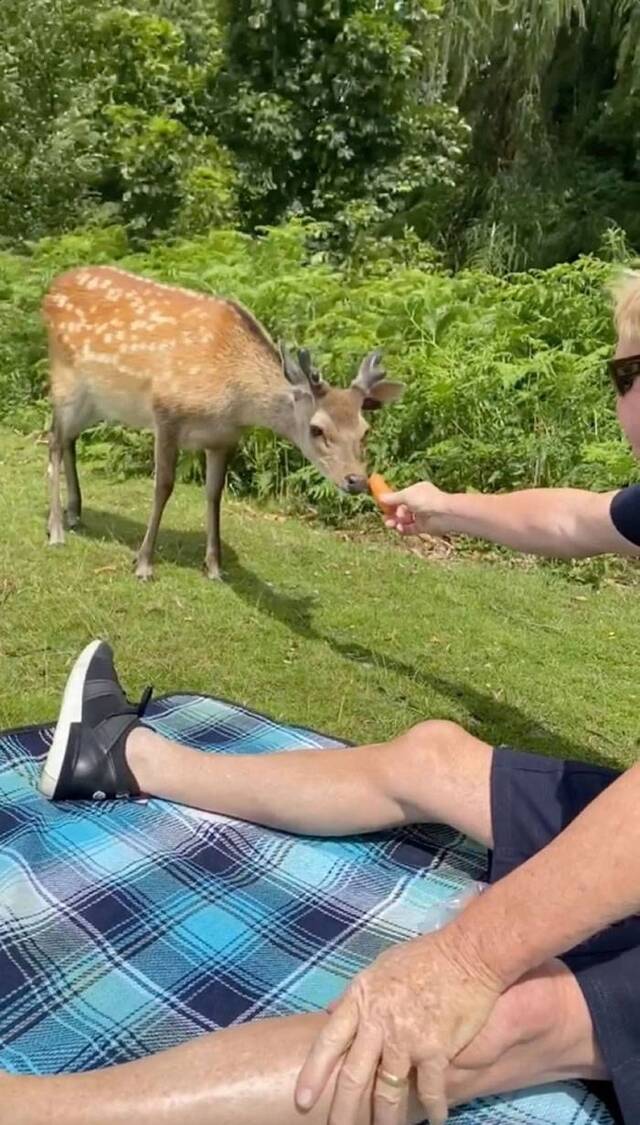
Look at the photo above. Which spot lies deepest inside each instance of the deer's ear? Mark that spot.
(382, 393)
(316, 382)
(301, 373)
(291, 368)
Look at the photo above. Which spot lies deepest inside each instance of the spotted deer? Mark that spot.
(197, 370)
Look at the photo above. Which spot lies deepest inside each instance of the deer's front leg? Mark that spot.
(166, 457)
(217, 460)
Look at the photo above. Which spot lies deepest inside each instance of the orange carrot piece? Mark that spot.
(377, 487)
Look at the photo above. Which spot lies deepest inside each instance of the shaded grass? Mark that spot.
(357, 638)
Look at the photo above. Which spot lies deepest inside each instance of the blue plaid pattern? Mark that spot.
(128, 928)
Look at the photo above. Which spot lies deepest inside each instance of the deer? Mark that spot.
(197, 370)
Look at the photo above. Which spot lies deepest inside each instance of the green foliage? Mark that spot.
(99, 120)
(551, 94)
(506, 376)
(324, 108)
(505, 134)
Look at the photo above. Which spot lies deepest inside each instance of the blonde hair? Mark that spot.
(625, 290)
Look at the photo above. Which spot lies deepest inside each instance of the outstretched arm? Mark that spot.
(555, 522)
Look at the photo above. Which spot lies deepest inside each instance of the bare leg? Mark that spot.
(74, 497)
(539, 1032)
(166, 457)
(433, 772)
(216, 473)
(55, 528)
(246, 1075)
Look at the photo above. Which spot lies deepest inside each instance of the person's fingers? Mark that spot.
(392, 499)
(410, 528)
(355, 1077)
(399, 517)
(329, 1046)
(390, 1100)
(430, 1084)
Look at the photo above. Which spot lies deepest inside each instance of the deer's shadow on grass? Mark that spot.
(493, 720)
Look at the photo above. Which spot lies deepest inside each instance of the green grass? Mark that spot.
(355, 637)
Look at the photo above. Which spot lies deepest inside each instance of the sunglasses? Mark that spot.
(624, 373)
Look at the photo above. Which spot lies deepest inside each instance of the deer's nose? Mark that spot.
(354, 483)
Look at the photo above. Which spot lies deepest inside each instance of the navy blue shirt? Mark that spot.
(625, 513)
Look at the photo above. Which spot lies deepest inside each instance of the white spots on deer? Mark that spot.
(156, 317)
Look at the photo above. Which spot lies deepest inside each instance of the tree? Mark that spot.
(98, 120)
(551, 93)
(324, 108)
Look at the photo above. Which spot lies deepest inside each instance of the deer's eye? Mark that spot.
(317, 432)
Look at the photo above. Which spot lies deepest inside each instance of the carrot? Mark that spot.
(377, 487)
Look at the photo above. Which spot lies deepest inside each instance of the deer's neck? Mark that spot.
(272, 407)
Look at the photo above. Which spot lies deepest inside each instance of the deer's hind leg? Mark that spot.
(217, 460)
(74, 496)
(69, 419)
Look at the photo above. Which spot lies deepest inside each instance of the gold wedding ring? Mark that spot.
(392, 1079)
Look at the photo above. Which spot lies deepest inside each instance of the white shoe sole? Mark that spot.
(70, 712)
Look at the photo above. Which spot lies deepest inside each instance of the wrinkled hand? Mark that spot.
(419, 509)
(417, 1006)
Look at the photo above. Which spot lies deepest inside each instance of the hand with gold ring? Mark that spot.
(397, 1026)
(392, 1079)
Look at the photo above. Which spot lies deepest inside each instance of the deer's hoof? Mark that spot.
(212, 569)
(56, 537)
(213, 574)
(144, 572)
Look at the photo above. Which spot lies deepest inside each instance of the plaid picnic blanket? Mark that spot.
(126, 928)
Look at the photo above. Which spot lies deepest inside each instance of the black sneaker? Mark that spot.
(87, 760)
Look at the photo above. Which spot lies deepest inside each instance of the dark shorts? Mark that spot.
(532, 799)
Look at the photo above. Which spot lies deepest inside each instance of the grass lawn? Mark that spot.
(354, 637)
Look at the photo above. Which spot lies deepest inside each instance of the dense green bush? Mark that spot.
(506, 134)
(506, 376)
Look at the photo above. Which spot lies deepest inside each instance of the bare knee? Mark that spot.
(428, 749)
(541, 1003)
(440, 750)
(434, 738)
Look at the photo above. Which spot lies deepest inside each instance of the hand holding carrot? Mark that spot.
(419, 509)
